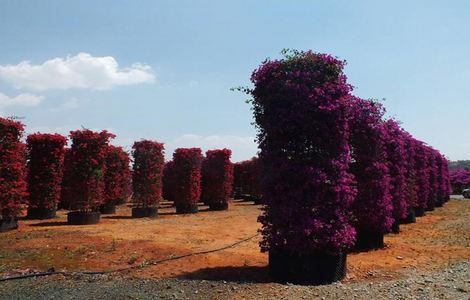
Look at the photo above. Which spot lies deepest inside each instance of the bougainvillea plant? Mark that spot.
(13, 188)
(88, 154)
(217, 178)
(187, 167)
(397, 166)
(66, 184)
(147, 173)
(441, 189)
(373, 205)
(45, 168)
(410, 173)
(117, 176)
(422, 174)
(459, 179)
(168, 181)
(433, 177)
(247, 177)
(300, 106)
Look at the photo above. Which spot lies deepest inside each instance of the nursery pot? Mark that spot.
(419, 211)
(108, 209)
(218, 206)
(144, 212)
(257, 200)
(368, 240)
(411, 218)
(186, 208)
(307, 269)
(431, 206)
(8, 224)
(83, 218)
(41, 213)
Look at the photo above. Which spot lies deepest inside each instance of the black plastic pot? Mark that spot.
(431, 206)
(310, 269)
(40, 213)
(396, 227)
(108, 209)
(8, 224)
(258, 200)
(186, 208)
(83, 218)
(218, 206)
(367, 240)
(144, 212)
(411, 218)
(419, 212)
(440, 203)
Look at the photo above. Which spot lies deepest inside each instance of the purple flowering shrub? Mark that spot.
(422, 174)
(397, 166)
(300, 106)
(373, 205)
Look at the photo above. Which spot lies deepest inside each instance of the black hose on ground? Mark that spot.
(150, 263)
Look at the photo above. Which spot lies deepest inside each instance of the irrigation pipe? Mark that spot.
(143, 265)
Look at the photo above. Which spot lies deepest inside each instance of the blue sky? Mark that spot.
(177, 61)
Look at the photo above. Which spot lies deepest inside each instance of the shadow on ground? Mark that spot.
(233, 274)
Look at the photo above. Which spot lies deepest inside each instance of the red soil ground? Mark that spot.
(439, 238)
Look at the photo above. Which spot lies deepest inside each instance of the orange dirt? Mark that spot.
(118, 241)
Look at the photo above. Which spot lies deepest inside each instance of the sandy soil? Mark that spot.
(437, 240)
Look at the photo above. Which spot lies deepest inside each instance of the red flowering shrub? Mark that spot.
(300, 107)
(117, 176)
(187, 167)
(373, 205)
(88, 154)
(168, 181)
(397, 166)
(12, 169)
(45, 168)
(147, 173)
(67, 179)
(247, 178)
(217, 178)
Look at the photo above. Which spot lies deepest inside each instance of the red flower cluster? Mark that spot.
(88, 154)
(12, 169)
(147, 173)
(67, 179)
(247, 176)
(187, 167)
(45, 167)
(217, 178)
(117, 177)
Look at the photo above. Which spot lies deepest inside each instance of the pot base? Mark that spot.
(144, 212)
(83, 218)
(40, 213)
(367, 240)
(8, 224)
(186, 208)
(411, 218)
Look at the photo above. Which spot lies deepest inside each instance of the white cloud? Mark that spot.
(72, 103)
(243, 147)
(20, 100)
(79, 71)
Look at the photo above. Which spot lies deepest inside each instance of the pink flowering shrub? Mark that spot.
(45, 168)
(168, 181)
(117, 176)
(422, 174)
(459, 179)
(147, 173)
(300, 106)
(411, 193)
(397, 166)
(187, 169)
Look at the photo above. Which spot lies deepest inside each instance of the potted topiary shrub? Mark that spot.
(12, 173)
(373, 205)
(147, 178)
(187, 167)
(45, 168)
(117, 178)
(396, 163)
(88, 153)
(66, 183)
(300, 107)
(422, 177)
(217, 179)
(168, 181)
(411, 180)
